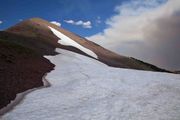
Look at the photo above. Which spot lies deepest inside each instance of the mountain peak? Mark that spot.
(36, 19)
(44, 37)
(30, 24)
(40, 21)
(33, 33)
(34, 27)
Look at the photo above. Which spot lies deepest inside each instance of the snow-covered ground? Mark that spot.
(85, 89)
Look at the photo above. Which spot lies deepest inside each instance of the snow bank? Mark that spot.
(65, 40)
(85, 89)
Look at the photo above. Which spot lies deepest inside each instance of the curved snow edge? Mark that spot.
(20, 97)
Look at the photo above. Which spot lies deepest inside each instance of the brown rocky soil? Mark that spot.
(20, 69)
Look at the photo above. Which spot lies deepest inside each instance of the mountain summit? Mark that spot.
(44, 37)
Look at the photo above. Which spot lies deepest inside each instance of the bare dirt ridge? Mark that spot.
(39, 37)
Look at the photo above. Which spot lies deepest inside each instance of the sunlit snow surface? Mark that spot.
(84, 89)
(65, 40)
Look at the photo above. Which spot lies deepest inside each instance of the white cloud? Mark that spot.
(20, 19)
(87, 24)
(139, 29)
(69, 21)
(56, 23)
(98, 20)
(1, 22)
(80, 22)
(84, 24)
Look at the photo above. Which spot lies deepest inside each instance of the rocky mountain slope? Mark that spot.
(23, 46)
(36, 34)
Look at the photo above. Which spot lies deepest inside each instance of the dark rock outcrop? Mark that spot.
(20, 69)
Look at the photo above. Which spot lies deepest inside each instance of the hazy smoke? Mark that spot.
(163, 37)
(152, 35)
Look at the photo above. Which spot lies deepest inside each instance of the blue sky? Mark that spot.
(11, 11)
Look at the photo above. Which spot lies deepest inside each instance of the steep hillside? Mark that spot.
(36, 34)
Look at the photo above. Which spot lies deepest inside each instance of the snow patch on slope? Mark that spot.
(85, 89)
(65, 40)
